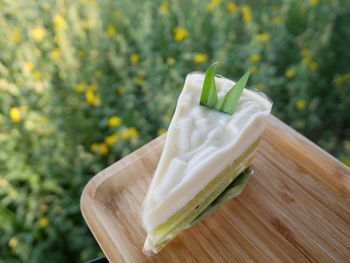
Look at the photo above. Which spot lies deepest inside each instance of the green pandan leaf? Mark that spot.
(233, 190)
(229, 102)
(209, 97)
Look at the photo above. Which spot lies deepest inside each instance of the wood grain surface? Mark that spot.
(296, 208)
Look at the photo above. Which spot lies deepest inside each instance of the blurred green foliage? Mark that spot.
(83, 83)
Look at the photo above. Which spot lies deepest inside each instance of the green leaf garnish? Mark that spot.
(233, 190)
(209, 96)
(229, 102)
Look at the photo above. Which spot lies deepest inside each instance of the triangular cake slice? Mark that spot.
(206, 156)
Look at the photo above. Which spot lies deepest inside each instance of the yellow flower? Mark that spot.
(55, 54)
(15, 114)
(125, 133)
(92, 98)
(290, 73)
(304, 52)
(264, 37)
(37, 75)
(129, 133)
(80, 87)
(103, 149)
(253, 70)
(111, 31)
(313, 65)
(94, 147)
(180, 33)
(170, 61)
(300, 104)
(200, 58)
(164, 8)
(134, 58)
(12, 242)
(121, 89)
(114, 121)
(232, 7)
(212, 5)
(38, 33)
(161, 131)
(346, 161)
(43, 222)
(29, 65)
(59, 22)
(313, 2)
(247, 13)
(255, 58)
(111, 139)
(133, 132)
(43, 208)
(16, 36)
(310, 63)
(277, 20)
(139, 80)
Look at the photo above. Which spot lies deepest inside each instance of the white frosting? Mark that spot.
(200, 143)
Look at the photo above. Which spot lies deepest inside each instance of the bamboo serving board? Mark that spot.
(296, 208)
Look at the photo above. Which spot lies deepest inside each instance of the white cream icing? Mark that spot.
(200, 143)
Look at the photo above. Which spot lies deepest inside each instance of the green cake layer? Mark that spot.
(195, 210)
(233, 190)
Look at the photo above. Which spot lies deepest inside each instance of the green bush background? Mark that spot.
(68, 67)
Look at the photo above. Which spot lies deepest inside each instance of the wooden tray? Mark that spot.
(296, 208)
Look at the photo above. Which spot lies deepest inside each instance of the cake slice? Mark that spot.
(206, 157)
